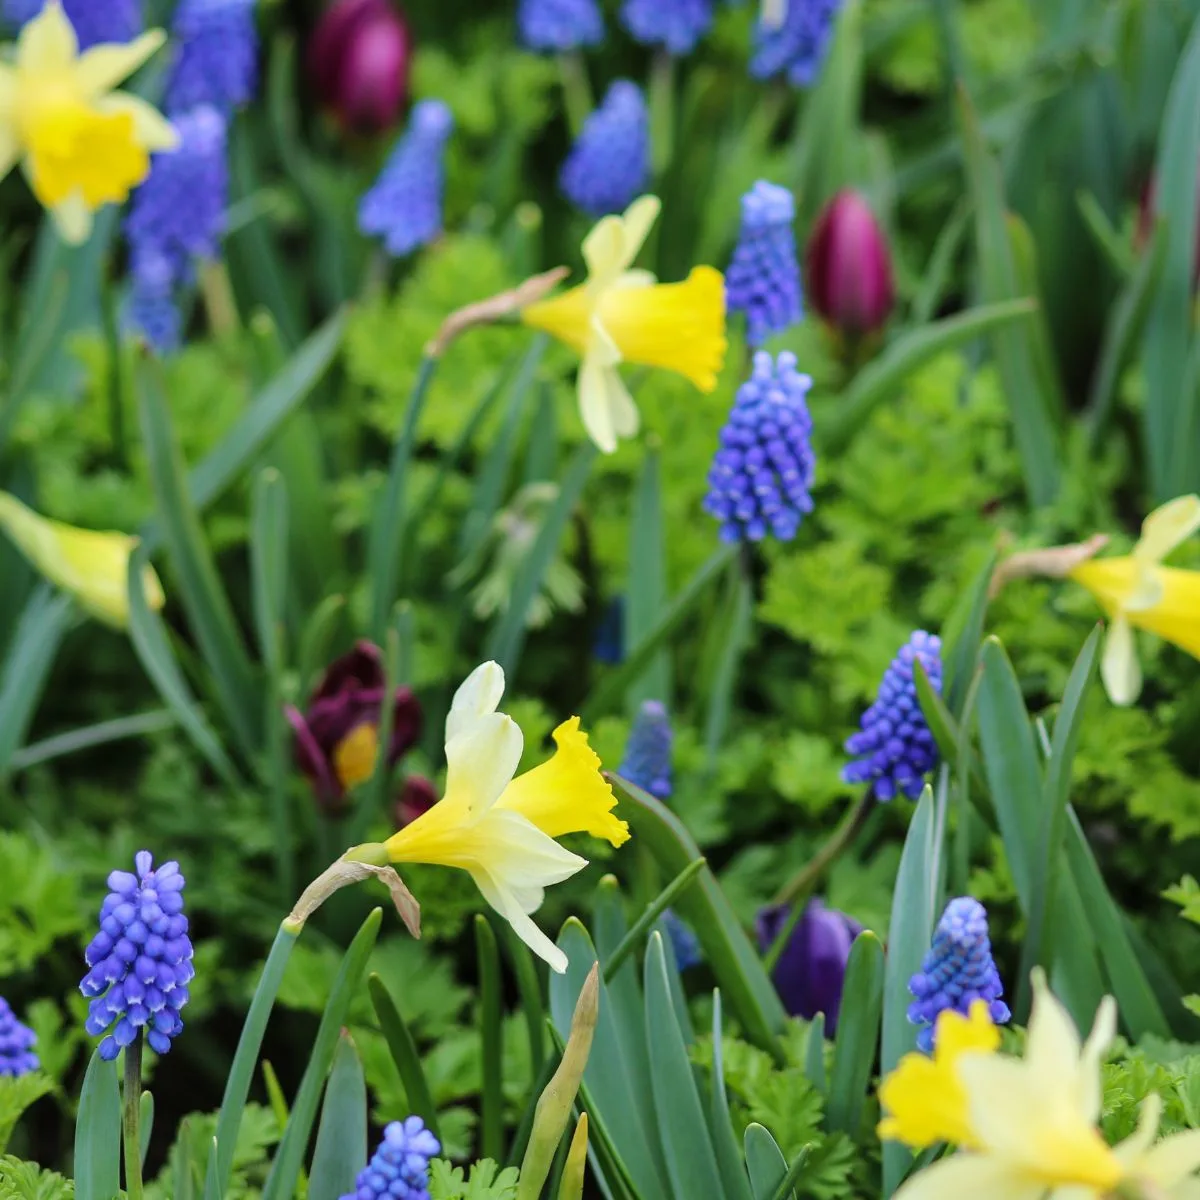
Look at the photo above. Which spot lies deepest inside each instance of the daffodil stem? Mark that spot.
(132, 1118)
(219, 302)
(662, 112)
(577, 91)
(114, 384)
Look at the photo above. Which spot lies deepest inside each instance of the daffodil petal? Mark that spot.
(603, 252)
(976, 1176)
(102, 67)
(1146, 591)
(8, 90)
(1167, 527)
(635, 279)
(151, 129)
(1176, 617)
(1172, 1160)
(1119, 667)
(10, 149)
(477, 695)
(481, 761)
(522, 924)
(1131, 1150)
(47, 44)
(73, 219)
(594, 382)
(1053, 1046)
(637, 222)
(1104, 1029)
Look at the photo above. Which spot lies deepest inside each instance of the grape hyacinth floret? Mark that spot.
(894, 749)
(141, 960)
(957, 971)
(399, 1169)
(94, 21)
(798, 46)
(217, 58)
(16, 1044)
(609, 165)
(647, 761)
(761, 475)
(558, 26)
(151, 309)
(685, 945)
(675, 25)
(763, 279)
(404, 207)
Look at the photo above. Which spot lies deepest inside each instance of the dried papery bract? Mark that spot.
(494, 308)
(1055, 562)
(349, 870)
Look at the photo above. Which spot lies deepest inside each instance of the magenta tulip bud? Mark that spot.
(415, 800)
(849, 267)
(359, 59)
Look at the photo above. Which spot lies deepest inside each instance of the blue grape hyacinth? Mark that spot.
(217, 58)
(761, 475)
(609, 165)
(685, 945)
(141, 960)
(94, 21)
(179, 212)
(894, 749)
(647, 761)
(151, 309)
(404, 206)
(798, 46)
(16, 1044)
(675, 25)
(399, 1169)
(763, 280)
(558, 26)
(957, 971)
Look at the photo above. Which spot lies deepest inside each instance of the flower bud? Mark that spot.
(359, 58)
(849, 267)
(417, 797)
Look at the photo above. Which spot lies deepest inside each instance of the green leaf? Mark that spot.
(690, 1158)
(98, 1133)
(857, 1035)
(87, 737)
(27, 1181)
(735, 1185)
(961, 649)
(237, 1085)
(289, 1160)
(814, 1054)
(764, 1161)
(734, 642)
(520, 958)
(645, 922)
(491, 1104)
(200, 591)
(735, 963)
(404, 1054)
(17, 1093)
(149, 638)
(647, 586)
(341, 1149)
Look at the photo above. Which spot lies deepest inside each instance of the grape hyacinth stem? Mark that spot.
(577, 90)
(662, 112)
(132, 1118)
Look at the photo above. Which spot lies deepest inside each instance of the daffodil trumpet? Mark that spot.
(619, 314)
(81, 144)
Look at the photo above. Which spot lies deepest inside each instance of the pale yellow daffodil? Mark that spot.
(80, 143)
(500, 829)
(92, 566)
(1136, 591)
(622, 315)
(1026, 1127)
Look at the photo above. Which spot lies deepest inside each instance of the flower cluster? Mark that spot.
(647, 761)
(894, 749)
(16, 1044)
(610, 161)
(795, 47)
(399, 1169)
(404, 206)
(763, 280)
(141, 960)
(217, 60)
(558, 26)
(110, 21)
(675, 25)
(957, 971)
(761, 475)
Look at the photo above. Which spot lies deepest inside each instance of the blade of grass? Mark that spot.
(491, 1102)
(404, 1054)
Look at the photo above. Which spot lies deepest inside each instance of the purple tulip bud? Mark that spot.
(337, 736)
(359, 59)
(812, 968)
(849, 267)
(417, 798)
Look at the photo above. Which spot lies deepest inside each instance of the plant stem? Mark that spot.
(662, 112)
(577, 91)
(133, 1109)
(219, 302)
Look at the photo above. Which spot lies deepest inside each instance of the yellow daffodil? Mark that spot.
(81, 144)
(502, 829)
(1026, 1127)
(90, 565)
(1135, 590)
(622, 315)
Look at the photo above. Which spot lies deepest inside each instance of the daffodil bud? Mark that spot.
(571, 1187)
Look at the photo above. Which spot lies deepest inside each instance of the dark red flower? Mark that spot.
(337, 737)
(359, 59)
(849, 267)
(417, 798)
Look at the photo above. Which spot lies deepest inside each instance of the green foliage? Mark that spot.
(41, 902)
(27, 1181)
(485, 1182)
(17, 1095)
(188, 1156)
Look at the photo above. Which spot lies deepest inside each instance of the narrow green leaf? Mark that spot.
(814, 1054)
(765, 1162)
(787, 1185)
(520, 1140)
(664, 900)
(145, 1124)
(508, 637)
(734, 961)
(87, 737)
(880, 379)
(647, 588)
(735, 1184)
(520, 958)
(939, 274)
(961, 650)
(404, 1054)
(98, 1133)
(245, 1059)
(734, 644)
(289, 1159)
(691, 1160)
(341, 1149)
(154, 652)
(315, 639)
(491, 1101)
(200, 591)
(212, 1180)
(857, 1035)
